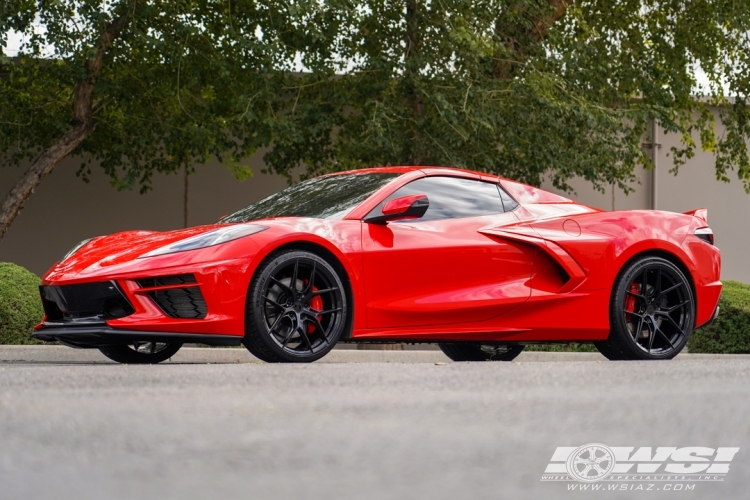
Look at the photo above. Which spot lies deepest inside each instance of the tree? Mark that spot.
(143, 86)
(530, 89)
(527, 89)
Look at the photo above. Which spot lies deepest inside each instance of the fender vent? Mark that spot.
(564, 276)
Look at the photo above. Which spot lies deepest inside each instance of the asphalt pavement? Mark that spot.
(218, 424)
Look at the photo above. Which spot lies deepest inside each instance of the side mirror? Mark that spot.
(407, 207)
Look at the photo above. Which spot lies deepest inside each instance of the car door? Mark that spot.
(439, 269)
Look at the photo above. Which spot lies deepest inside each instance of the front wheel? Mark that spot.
(148, 353)
(296, 308)
(652, 312)
(470, 351)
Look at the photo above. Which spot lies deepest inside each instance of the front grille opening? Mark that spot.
(186, 303)
(84, 302)
(51, 309)
(178, 279)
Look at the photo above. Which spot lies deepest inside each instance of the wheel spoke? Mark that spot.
(322, 313)
(303, 334)
(643, 282)
(288, 338)
(326, 290)
(651, 335)
(153, 347)
(312, 319)
(294, 275)
(637, 332)
(670, 289)
(674, 323)
(657, 288)
(673, 308)
(272, 329)
(310, 285)
(636, 295)
(665, 337)
(282, 285)
(274, 303)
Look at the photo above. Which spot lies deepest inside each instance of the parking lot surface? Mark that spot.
(215, 423)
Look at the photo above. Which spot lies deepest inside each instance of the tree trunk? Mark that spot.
(15, 199)
(521, 38)
(413, 44)
(83, 125)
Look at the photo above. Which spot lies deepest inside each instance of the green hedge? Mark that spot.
(730, 334)
(20, 306)
(573, 347)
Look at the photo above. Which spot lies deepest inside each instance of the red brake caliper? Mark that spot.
(630, 300)
(317, 304)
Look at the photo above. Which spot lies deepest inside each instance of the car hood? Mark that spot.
(106, 251)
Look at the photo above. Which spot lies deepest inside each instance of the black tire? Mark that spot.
(296, 310)
(651, 312)
(471, 351)
(141, 353)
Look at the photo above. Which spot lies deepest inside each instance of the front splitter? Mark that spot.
(94, 336)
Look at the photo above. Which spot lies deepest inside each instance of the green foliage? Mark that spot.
(20, 306)
(730, 334)
(524, 88)
(574, 347)
(184, 81)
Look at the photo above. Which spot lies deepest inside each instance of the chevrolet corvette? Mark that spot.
(479, 264)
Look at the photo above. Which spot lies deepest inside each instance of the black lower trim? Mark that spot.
(93, 336)
(711, 321)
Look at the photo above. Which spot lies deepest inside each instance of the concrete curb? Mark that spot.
(196, 355)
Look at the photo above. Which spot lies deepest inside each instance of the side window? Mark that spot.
(452, 197)
(509, 203)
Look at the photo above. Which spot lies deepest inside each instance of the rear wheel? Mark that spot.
(470, 351)
(297, 308)
(141, 352)
(652, 312)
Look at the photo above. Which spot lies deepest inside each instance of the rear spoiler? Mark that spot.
(701, 213)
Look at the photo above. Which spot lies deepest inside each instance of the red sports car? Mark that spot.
(479, 264)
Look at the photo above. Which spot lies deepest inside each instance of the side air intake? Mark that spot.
(177, 296)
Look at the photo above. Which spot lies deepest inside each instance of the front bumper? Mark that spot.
(97, 335)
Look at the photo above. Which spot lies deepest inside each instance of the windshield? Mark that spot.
(321, 198)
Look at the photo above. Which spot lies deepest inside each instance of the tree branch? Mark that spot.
(522, 39)
(82, 126)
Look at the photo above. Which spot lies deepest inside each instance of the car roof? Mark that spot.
(522, 193)
(428, 170)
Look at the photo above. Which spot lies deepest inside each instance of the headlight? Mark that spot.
(209, 239)
(75, 249)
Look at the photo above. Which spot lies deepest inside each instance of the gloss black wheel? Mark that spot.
(652, 312)
(297, 308)
(471, 351)
(141, 352)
